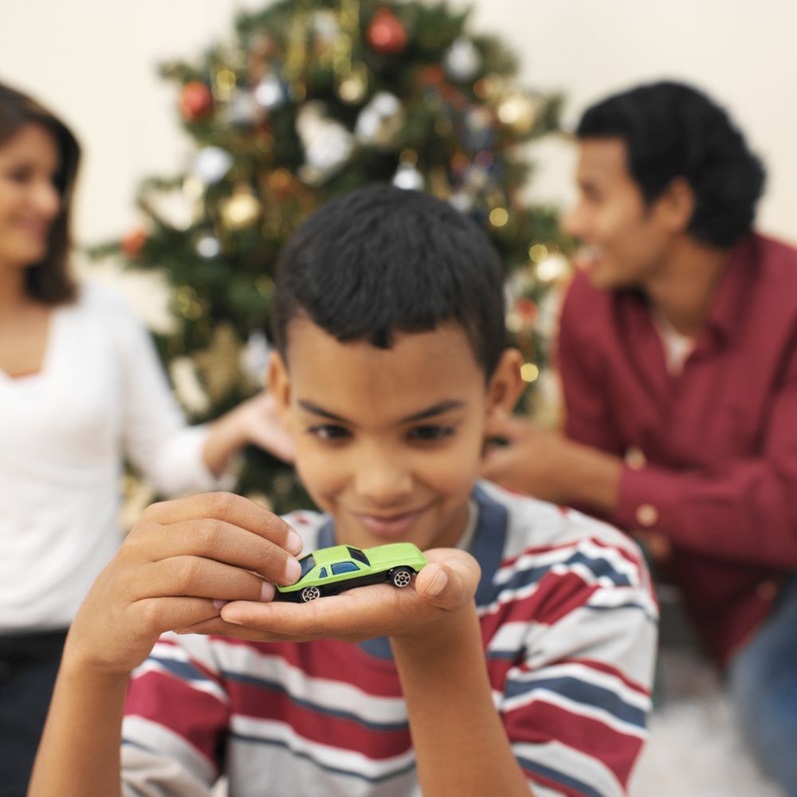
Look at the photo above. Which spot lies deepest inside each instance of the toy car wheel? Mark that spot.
(310, 594)
(401, 576)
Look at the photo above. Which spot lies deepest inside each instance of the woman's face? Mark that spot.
(29, 198)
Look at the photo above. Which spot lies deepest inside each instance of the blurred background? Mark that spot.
(97, 65)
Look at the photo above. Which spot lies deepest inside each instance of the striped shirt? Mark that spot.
(569, 627)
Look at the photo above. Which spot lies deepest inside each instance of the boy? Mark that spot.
(519, 664)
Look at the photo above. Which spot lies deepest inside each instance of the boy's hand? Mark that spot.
(443, 587)
(177, 567)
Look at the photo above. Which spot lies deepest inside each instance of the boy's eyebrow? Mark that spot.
(430, 412)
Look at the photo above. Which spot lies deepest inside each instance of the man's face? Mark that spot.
(388, 441)
(626, 242)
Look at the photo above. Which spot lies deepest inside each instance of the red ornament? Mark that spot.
(196, 100)
(133, 242)
(527, 310)
(386, 34)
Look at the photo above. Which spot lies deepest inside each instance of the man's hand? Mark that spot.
(533, 460)
(549, 466)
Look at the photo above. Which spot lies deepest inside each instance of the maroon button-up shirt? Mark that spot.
(717, 472)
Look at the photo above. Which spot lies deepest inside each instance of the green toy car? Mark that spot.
(328, 571)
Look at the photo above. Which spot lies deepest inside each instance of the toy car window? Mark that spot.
(322, 573)
(307, 563)
(357, 554)
(344, 567)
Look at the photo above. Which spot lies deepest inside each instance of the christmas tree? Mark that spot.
(307, 100)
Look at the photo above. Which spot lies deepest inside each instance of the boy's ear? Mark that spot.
(278, 383)
(506, 385)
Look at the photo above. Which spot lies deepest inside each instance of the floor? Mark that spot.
(695, 748)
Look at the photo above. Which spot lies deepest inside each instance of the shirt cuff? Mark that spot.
(647, 499)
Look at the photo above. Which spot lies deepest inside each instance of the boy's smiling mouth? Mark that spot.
(395, 525)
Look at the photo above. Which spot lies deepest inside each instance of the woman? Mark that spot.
(80, 388)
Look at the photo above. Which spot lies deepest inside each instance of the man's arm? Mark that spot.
(693, 508)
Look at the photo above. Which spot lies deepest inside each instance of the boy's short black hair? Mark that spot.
(383, 260)
(673, 130)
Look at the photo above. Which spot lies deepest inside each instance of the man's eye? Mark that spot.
(329, 431)
(431, 433)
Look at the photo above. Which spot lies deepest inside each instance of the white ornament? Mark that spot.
(462, 61)
(327, 143)
(379, 121)
(212, 164)
(255, 356)
(187, 385)
(462, 201)
(408, 178)
(242, 108)
(270, 93)
(208, 246)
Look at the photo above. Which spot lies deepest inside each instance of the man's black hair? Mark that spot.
(383, 260)
(673, 130)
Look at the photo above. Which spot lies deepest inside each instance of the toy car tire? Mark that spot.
(401, 576)
(310, 594)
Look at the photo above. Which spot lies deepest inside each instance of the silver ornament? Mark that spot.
(212, 164)
(462, 60)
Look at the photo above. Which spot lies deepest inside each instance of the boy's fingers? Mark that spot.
(192, 576)
(216, 540)
(447, 582)
(230, 508)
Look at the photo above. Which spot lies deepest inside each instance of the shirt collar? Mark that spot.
(733, 291)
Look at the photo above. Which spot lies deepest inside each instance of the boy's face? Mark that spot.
(389, 442)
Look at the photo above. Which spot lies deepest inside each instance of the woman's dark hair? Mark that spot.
(383, 260)
(50, 280)
(673, 130)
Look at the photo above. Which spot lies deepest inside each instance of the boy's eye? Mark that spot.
(328, 431)
(431, 433)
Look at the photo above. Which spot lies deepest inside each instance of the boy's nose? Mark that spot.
(382, 480)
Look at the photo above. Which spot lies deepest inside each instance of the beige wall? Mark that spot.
(94, 62)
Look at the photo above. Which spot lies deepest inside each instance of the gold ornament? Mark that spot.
(518, 112)
(354, 86)
(240, 210)
(219, 364)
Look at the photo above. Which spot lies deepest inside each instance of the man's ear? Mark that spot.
(676, 204)
(278, 383)
(506, 385)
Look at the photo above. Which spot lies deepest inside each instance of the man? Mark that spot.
(677, 352)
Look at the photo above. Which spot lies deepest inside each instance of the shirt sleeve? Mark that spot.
(696, 509)
(156, 437)
(576, 708)
(587, 417)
